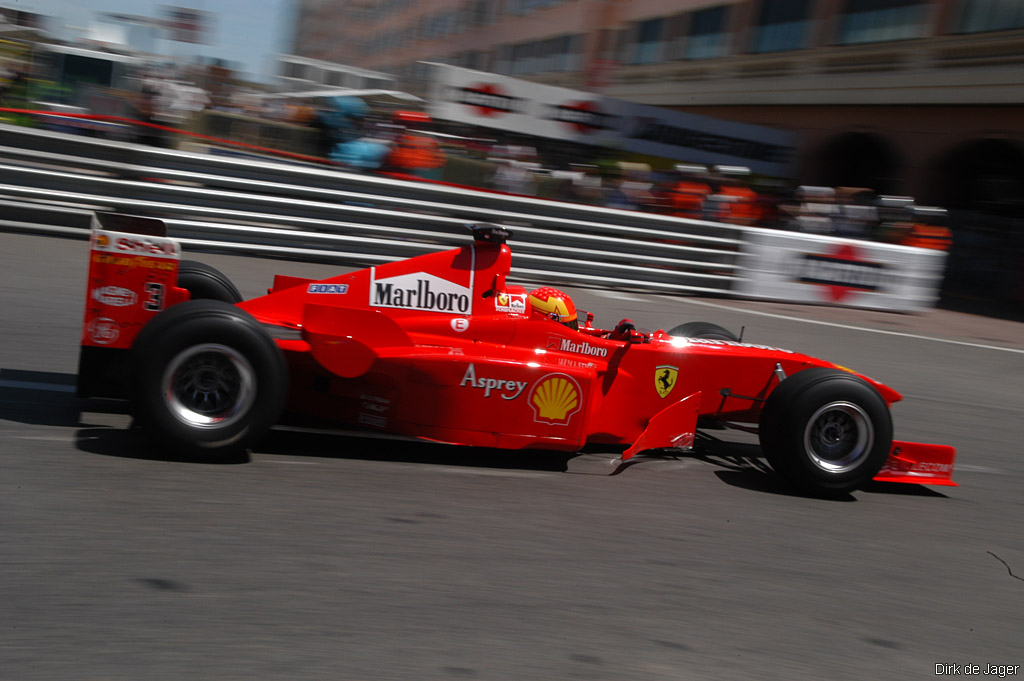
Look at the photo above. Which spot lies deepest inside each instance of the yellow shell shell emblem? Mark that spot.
(665, 379)
(555, 398)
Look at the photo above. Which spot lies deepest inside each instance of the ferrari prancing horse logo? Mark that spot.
(665, 379)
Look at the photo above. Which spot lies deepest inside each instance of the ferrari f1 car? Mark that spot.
(444, 348)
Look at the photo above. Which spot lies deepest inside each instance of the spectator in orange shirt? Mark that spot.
(927, 229)
(689, 193)
(413, 151)
(740, 203)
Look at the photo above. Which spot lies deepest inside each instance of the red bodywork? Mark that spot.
(441, 347)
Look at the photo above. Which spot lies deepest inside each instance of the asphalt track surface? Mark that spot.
(328, 557)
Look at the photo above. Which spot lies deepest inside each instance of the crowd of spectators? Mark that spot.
(350, 133)
(726, 194)
(732, 195)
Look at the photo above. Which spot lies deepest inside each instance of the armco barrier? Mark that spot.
(53, 182)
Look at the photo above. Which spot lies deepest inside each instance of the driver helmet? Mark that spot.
(550, 303)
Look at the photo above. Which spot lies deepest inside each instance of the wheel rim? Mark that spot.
(838, 437)
(209, 386)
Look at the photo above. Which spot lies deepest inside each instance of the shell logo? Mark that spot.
(555, 398)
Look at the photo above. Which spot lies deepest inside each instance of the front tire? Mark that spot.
(826, 431)
(207, 379)
(703, 330)
(206, 282)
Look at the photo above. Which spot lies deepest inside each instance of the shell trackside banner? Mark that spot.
(808, 268)
(519, 106)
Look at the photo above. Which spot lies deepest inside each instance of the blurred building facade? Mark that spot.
(916, 97)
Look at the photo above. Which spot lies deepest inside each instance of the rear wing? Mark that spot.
(133, 275)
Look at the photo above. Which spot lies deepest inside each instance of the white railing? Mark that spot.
(54, 182)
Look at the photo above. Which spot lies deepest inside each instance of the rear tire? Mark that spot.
(826, 431)
(207, 379)
(703, 330)
(206, 282)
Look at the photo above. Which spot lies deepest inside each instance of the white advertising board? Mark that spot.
(504, 103)
(806, 268)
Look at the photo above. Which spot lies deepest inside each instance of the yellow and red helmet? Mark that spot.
(550, 303)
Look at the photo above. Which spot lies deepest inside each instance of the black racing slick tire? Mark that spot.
(207, 380)
(703, 330)
(206, 282)
(826, 431)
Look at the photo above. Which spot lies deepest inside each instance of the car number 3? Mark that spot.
(155, 300)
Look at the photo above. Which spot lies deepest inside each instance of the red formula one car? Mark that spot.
(443, 348)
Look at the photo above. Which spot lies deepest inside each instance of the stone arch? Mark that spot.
(860, 159)
(983, 175)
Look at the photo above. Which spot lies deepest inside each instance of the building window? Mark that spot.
(482, 12)
(708, 38)
(647, 47)
(522, 58)
(421, 70)
(530, 5)
(874, 21)
(990, 15)
(781, 25)
(476, 59)
(553, 55)
(503, 59)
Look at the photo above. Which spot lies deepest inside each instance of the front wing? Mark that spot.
(915, 462)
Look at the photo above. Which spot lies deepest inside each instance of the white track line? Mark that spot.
(849, 327)
(285, 462)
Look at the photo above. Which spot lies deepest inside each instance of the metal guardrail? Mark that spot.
(53, 182)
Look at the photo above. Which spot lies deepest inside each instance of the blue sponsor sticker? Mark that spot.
(327, 288)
